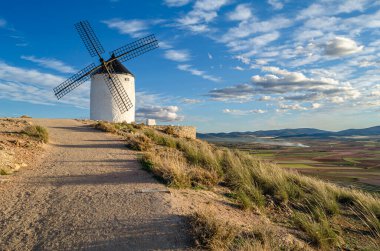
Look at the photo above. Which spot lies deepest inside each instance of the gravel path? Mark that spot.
(87, 193)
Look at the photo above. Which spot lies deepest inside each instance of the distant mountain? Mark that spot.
(289, 133)
(375, 130)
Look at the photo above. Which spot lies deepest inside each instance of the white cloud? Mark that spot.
(283, 81)
(209, 56)
(51, 63)
(31, 76)
(349, 6)
(294, 85)
(250, 27)
(33, 86)
(242, 112)
(242, 12)
(337, 99)
(237, 93)
(195, 72)
(176, 3)
(329, 8)
(191, 101)
(135, 28)
(276, 4)
(164, 45)
(315, 105)
(253, 43)
(203, 12)
(243, 59)
(238, 68)
(340, 46)
(177, 55)
(160, 113)
(286, 107)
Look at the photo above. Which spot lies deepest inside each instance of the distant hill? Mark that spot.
(288, 133)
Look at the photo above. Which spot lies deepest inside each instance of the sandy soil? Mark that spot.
(88, 192)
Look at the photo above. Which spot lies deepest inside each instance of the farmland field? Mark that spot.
(347, 161)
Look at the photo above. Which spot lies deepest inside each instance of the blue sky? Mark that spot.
(222, 65)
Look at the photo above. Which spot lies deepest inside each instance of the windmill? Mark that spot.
(117, 104)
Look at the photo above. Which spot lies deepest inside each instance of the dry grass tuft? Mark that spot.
(316, 224)
(212, 233)
(105, 127)
(37, 132)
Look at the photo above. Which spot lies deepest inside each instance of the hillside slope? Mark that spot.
(273, 208)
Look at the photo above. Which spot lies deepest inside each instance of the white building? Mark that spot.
(102, 105)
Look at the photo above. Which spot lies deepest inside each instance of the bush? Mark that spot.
(37, 132)
(139, 142)
(106, 127)
(170, 130)
(210, 233)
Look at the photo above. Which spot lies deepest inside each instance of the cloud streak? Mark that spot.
(33, 86)
(177, 55)
(196, 72)
(134, 28)
(51, 63)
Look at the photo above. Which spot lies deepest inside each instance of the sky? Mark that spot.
(222, 65)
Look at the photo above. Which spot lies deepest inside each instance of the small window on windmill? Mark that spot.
(126, 79)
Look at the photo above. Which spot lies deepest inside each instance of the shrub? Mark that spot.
(210, 233)
(139, 142)
(105, 127)
(170, 130)
(37, 132)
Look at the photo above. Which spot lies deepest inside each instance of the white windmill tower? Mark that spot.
(112, 84)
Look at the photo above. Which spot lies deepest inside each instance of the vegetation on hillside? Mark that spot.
(318, 208)
(37, 132)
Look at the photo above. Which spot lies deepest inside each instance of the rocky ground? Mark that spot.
(17, 150)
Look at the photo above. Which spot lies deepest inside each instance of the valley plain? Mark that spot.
(352, 161)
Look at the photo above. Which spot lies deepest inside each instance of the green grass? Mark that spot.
(295, 165)
(37, 132)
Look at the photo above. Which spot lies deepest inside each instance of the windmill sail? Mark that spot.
(74, 81)
(89, 38)
(136, 48)
(117, 90)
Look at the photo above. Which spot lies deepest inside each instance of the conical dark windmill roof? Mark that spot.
(117, 66)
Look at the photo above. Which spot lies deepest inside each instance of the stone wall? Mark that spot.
(189, 132)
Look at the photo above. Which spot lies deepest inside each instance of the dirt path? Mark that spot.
(87, 193)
